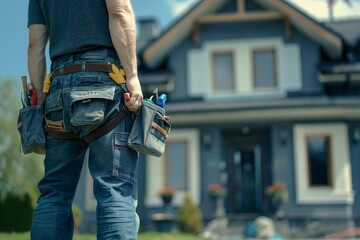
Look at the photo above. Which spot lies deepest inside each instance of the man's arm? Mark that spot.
(123, 34)
(38, 37)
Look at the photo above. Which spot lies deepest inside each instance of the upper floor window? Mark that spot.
(319, 162)
(223, 67)
(264, 64)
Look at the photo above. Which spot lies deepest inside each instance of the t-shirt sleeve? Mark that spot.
(35, 14)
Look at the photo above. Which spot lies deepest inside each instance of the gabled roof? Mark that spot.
(155, 52)
(349, 29)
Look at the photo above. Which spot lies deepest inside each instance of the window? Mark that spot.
(264, 64)
(176, 165)
(258, 67)
(319, 162)
(223, 71)
(322, 164)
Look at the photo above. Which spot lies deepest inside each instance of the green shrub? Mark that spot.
(77, 213)
(16, 213)
(190, 216)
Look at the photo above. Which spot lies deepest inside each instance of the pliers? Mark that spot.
(118, 76)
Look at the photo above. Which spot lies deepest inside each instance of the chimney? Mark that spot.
(148, 28)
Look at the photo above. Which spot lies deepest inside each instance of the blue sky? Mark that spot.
(14, 33)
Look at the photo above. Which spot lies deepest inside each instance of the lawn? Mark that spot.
(142, 236)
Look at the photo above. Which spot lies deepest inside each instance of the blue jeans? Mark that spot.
(113, 165)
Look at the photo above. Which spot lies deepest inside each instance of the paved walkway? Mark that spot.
(223, 229)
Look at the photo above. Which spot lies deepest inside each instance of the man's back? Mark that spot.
(73, 25)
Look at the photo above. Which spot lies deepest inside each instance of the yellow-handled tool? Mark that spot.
(118, 75)
(47, 84)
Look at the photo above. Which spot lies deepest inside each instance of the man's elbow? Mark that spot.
(121, 13)
(37, 36)
(33, 43)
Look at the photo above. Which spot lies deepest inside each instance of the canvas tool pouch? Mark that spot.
(88, 105)
(150, 130)
(32, 130)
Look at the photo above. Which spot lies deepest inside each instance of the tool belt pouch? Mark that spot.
(150, 130)
(32, 130)
(88, 105)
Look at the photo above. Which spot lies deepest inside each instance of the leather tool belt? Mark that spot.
(102, 130)
(88, 67)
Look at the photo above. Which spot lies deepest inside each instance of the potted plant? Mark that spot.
(217, 192)
(164, 221)
(166, 194)
(279, 195)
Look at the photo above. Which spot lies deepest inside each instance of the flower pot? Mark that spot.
(166, 199)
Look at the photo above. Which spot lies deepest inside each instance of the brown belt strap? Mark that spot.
(84, 67)
(99, 132)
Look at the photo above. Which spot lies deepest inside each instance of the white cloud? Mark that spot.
(179, 6)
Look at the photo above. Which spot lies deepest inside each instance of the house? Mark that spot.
(258, 93)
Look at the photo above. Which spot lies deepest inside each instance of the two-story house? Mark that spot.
(258, 92)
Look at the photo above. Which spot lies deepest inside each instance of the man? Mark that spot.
(92, 34)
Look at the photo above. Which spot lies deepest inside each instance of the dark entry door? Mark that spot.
(245, 185)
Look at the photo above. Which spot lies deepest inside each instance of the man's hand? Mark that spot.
(133, 99)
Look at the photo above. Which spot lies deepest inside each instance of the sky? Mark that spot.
(14, 33)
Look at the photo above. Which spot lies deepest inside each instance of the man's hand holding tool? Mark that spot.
(133, 95)
(30, 97)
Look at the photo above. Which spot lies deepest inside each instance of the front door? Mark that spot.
(245, 184)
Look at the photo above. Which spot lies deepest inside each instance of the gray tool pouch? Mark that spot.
(32, 129)
(88, 105)
(150, 130)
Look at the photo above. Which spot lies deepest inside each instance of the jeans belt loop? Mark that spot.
(61, 69)
(83, 66)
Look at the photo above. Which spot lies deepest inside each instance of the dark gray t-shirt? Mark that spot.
(73, 25)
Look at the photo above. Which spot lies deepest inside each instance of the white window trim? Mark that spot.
(288, 68)
(155, 167)
(341, 192)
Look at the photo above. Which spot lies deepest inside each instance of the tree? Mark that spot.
(19, 174)
(331, 4)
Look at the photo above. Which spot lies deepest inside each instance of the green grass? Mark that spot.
(167, 236)
(142, 236)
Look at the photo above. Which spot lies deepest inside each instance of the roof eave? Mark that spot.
(330, 42)
(155, 52)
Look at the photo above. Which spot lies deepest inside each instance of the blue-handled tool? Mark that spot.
(161, 100)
